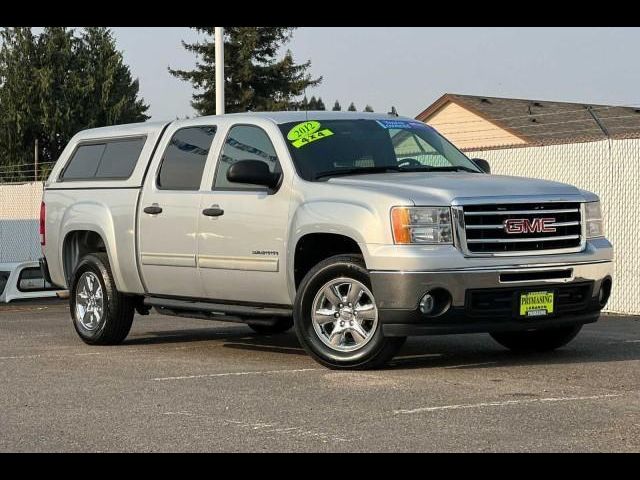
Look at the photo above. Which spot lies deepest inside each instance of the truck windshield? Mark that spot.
(328, 148)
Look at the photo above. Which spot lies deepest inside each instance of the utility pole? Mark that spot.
(219, 52)
(35, 161)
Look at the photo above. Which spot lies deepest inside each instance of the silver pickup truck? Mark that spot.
(357, 229)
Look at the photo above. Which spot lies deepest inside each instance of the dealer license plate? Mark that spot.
(536, 304)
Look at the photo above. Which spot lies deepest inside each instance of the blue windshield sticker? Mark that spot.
(401, 124)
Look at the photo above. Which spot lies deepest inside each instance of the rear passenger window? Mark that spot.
(114, 159)
(84, 163)
(120, 158)
(184, 159)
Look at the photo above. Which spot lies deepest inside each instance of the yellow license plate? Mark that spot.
(536, 304)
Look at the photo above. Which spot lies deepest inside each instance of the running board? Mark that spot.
(220, 309)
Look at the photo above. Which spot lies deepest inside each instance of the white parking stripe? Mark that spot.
(230, 374)
(465, 365)
(22, 357)
(504, 403)
(413, 357)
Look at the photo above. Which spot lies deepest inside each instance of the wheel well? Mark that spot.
(76, 245)
(315, 247)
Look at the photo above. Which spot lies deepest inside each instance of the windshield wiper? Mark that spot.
(357, 171)
(428, 168)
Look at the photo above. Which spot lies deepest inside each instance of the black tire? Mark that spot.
(280, 326)
(118, 309)
(536, 341)
(375, 353)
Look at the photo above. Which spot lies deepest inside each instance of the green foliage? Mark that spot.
(352, 108)
(313, 104)
(56, 84)
(255, 79)
(336, 107)
(368, 108)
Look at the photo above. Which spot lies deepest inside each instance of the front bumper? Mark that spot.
(398, 294)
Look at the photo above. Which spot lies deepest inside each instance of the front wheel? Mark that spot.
(336, 317)
(538, 340)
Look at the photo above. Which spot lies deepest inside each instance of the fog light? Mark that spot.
(427, 303)
(605, 292)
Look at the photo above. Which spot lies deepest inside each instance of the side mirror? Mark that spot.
(482, 164)
(254, 172)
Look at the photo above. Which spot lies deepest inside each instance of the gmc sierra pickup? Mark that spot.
(357, 229)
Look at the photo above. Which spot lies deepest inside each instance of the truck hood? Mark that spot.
(440, 188)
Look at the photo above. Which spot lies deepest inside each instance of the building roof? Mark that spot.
(541, 122)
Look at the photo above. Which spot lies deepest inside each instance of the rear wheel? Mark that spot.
(101, 315)
(537, 341)
(336, 317)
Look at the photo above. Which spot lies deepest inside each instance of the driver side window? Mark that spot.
(244, 142)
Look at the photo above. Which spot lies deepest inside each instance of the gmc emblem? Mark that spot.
(524, 225)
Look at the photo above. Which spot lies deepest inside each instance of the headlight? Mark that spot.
(595, 227)
(421, 225)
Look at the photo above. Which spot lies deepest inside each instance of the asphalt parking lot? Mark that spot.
(193, 385)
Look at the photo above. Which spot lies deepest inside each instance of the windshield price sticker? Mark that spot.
(401, 124)
(307, 132)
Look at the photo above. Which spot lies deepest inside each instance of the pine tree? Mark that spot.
(313, 103)
(352, 108)
(255, 79)
(57, 83)
(336, 107)
(368, 108)
(303, 105)
(108, 84)
(60, 90)
(320, 104)
(19, 105)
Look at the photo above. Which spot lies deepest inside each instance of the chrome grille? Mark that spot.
(482, 231)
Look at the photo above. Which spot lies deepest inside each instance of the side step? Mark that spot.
(216, 309)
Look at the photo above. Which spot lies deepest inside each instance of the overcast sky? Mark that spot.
(411, 67)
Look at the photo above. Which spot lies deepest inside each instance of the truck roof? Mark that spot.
(276, 117)
(302, 115)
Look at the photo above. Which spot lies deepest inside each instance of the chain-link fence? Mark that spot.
(611, 169)
(19, 222)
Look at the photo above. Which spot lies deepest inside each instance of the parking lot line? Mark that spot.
(414, 357)
(264, 428)
(503, 403)
(230, 374)
(465, 365)
(26, 357)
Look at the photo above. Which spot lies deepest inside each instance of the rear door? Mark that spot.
(169, 211)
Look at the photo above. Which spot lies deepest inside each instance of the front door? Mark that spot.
(169, 213)
(242, 228)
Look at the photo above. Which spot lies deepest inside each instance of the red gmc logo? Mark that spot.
(524, 225)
